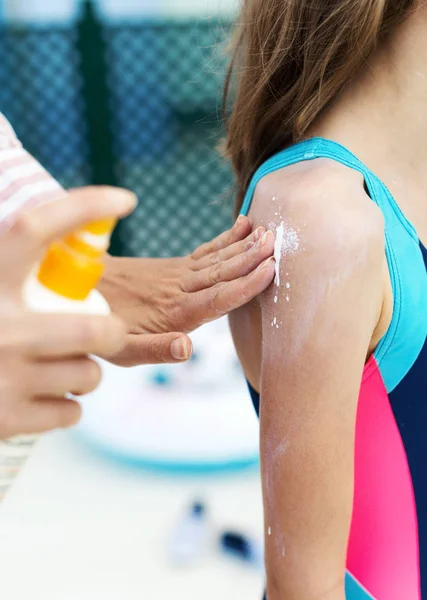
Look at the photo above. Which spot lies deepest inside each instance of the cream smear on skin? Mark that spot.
(287, 243)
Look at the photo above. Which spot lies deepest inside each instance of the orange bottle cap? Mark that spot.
(104, 227)
(72, 267)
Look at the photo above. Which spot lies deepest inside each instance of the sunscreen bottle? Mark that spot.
(66, 278)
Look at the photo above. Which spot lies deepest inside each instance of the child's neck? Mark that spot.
(382, 116)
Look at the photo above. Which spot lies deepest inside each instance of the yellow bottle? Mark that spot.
(66, 278)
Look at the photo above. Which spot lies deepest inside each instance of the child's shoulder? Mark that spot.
(321, 196)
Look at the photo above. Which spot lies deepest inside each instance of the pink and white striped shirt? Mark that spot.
(24, 183)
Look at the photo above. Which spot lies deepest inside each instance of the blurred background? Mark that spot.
(134, 503)
(129, 92)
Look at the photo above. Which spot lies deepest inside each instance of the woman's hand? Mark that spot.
(158, 296)
(43, 357)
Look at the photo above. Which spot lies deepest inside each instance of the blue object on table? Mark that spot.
(242, 547)
(189, 539)
(161, 378)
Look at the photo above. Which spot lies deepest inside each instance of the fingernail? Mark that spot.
(240, 221)
(125, 199)
(267, 263)
(180, 349)
(258, 233)
(264, 239)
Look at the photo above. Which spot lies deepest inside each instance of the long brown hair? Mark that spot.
(290, 59)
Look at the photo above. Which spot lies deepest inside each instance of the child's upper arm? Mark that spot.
(317, 326)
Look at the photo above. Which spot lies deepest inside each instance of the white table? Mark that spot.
(75, 527)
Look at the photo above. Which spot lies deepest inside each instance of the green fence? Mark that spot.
(134, 104)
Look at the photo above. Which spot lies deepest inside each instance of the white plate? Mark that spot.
(202, 419)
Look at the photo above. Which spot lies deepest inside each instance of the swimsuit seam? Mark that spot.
(386, 343)
(395, 207)
(397, 211)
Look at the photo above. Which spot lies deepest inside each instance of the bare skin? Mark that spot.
(156, 297)
(44, 357)
(392, 142)
(340, 305)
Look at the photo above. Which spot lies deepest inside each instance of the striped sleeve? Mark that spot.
(24, 183)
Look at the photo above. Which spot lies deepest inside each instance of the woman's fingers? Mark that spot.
(53, 336)
(46, 414)
(58, 378)
(239, 231)
(45, 356)
(42, 225)
(233, 268)
(219, 300)
(229, 251)
(154, 349)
